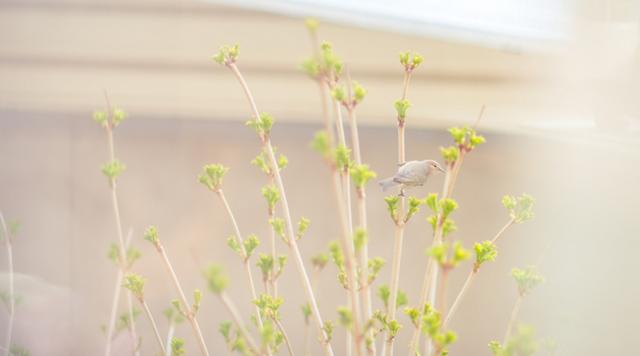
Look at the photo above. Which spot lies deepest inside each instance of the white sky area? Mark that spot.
(490, 22)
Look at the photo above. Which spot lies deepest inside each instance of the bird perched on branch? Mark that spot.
(411, 174)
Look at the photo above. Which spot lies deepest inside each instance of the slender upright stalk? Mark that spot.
(247, 266)
(347, 233)
(504, 228)
(512, 319)
(238, 320)
(456, 302)
(399, 231)
(188, 313)
(285, 336)
(145, 306)
(442, 297)
(170, 333)
(122, 249)
(467, 282)
(363, 255)
(12, 304)
(272, 282)
(297, 257)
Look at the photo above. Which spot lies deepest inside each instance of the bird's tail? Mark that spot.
(387, 183)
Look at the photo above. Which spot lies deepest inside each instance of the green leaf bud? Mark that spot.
(272, 195)
(459, 253)
(212, 175)
(342, 157)
(151, 235)
(375, 266)
(177, 347)
(345, 317)
(217, 281)
(359, 238)
(234, 244)
(197, 298)
(447, 206)
(250, 244)
(118, 116)
(265, 263)
(526, 279)
(392, 206)
(361, 175)
(359, 92)
(303, 225)
(319, 261)
(432, 202)
(414, 207)
(338, 93)
(320, 143)
(306, 312)
(101, 118)
(262, 125)
(336, 254)
(450, 154)
(401, 108)
(278, 227)
(486, 251)
(135, 284)
(113, 169)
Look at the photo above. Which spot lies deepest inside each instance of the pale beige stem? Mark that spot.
(297, 257)
(189, 315)
(11, 302)
(347, 246)
(399, 233)
(172, 330)
(122, 249)
(247, 267)
(153, 325)
(504, 228)
(285, 336)
(414, 345)
(238, 320)
(456, 302)
(512, 319)
(347, 240)
(363, 255)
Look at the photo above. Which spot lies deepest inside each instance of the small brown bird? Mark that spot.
(411, 174)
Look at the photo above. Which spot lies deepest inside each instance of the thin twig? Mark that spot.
(399, 233)
(188, 313)
(512, 319)
(172, 329)
(363, 255)
(238, 320)
(467, 282)
(12, 304)
(297, 257)
(456, 302)
(245, 261)
(153, 325)
(285, 336)
(122, 246)
(347, 236)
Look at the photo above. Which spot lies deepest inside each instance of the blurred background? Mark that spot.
(559, 80)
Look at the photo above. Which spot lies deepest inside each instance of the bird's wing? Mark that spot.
(411, 172)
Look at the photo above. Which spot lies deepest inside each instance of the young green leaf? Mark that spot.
(113, 169)
(526, 279)
(217, 281)
(361, 175)
(135, 284)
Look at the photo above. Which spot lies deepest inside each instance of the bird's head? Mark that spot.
(434, 166)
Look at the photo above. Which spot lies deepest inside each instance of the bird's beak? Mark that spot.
(441, 169)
